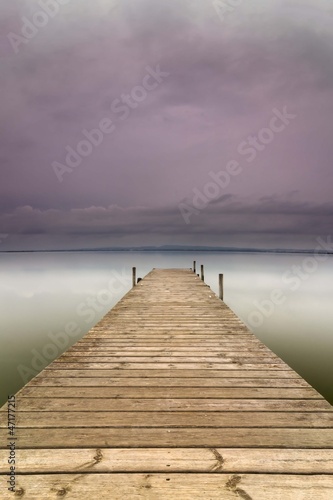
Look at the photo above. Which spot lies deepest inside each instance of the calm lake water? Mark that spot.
(48, 301)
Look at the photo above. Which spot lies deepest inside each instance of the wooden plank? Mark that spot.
(112, 342)
(171, 393)
(109, 381)
(68, 358)
(169, 460)
(180, 345)
(177, 485)
(269, 373)
(140, 437)
(207, 405)
(112, 339)
(171, 344)
(159, 365)
(70, 419)
(164, 351)
(180, 337)
(182, 334)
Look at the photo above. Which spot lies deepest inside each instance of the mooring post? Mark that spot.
(202, 273)
(133, 276)
(221, 286)
(194, 266)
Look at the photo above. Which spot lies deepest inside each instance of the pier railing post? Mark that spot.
(202, 273)
(221, 286)
(194, 266)
(133, 276)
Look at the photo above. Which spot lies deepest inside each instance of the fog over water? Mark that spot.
(49, 301)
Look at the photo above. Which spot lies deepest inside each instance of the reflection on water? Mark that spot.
(49, 301)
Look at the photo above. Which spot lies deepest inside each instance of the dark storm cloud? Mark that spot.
(225, 79)
(272, 205)
(235, 218)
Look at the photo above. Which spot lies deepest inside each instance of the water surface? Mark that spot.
(48, 301)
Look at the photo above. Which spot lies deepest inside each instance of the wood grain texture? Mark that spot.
(143, 437)
(176, 419)
(172, 460)
(170, 396)
(152, 485)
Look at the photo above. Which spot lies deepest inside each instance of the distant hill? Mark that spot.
(178, 248)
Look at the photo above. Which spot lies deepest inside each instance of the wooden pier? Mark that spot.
(168, 397)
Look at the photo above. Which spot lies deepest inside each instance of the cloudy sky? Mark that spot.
(165, 122)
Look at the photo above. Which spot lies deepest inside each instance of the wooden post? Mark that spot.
(221, 286)
(133, 276)
(202, 273)
(194, 266)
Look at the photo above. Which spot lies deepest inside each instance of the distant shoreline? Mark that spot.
(176, 249)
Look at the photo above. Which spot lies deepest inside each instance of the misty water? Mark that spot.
(49, 301)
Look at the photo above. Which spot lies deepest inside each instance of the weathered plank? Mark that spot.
(112, 343)
(218, 339)
(165, 351)
(269, 373)
(170, 486)
(168, 404)
(90, 437)
(198, 382)
(159, 365)
(226, 359)
(172, 393)
(68, 419)
(169, 460)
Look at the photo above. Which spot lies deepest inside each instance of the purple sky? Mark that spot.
(223, 77)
